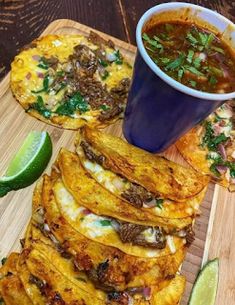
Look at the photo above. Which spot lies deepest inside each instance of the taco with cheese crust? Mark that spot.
(12, 291)
(71, 80)
(210, 146)
(121, 270)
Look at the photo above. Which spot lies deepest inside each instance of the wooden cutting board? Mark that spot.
(214, 228)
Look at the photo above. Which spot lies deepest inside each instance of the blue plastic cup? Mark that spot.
(160, 109)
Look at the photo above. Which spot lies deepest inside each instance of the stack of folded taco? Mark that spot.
(110, 225)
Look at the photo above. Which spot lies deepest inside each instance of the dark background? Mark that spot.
(23, 20)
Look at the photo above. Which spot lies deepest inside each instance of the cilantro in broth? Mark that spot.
(192, 56)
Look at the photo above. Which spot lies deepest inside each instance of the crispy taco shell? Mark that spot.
(190, 149)
(93, 196)
(134, 194)
(155, 173)
(106, 235)
(127, 270)
(11, 289)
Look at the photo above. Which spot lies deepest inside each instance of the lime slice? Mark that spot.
(205, 287)
(29, 162)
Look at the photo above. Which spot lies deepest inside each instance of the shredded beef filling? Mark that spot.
(36, 281)
(119, 298)
(136, 195)
(99, 41)
(90, 154)
(80, 69)
(84, 60)
(101, 276)
(136, 234)
(53, 297)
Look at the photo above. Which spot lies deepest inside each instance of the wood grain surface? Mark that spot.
(23, 20)
(218, 207)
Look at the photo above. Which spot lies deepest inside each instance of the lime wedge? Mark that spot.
(29, 162)
(205, 287)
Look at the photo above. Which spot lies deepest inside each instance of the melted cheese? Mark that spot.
(97, 227)
(171, 244)
(27, 76)
(106, 177)
(149, 235)
(117, 185)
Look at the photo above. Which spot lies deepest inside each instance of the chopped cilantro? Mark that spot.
(176, 63)
(203, 38)
(194, 70)
(81, 219)
(231, 166)
(104, 107)
(214, 170)
(213, 80)
(209, 40)
(102, 62)
(217, 49)
(197, 62)
(3, 260)
(43, 63)
(46, 82)
(105, 223)
(190, 56)
(210, 140)
(193, 83)
(40, 107)
(118, 56)
(74, 103)
(152, 42)
(215, 71)
(60, 73)
(216, 140)
(106, 74)
(180, 74)
(159, 203)
(165, 60)
(192, 39)
(200, 40)
(209, 133)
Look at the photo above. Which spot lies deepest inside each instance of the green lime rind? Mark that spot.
(205, 287)
(31, 172)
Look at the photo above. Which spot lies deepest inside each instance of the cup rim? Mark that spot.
(169, 80)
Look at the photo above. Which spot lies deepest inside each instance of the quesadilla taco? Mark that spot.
(135, 194)
(58, 284)
(12, 291)
(90, 194)
(157, 175)
(64, 266)
(133, 239)
(122, 271)
(28, 281)
(210, 146)
(71, 80)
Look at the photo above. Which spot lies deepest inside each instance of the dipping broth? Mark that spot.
(192, 55)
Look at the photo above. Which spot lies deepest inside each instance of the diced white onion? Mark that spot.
(171, 244)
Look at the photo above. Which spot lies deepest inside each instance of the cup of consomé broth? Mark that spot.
(184, 69)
